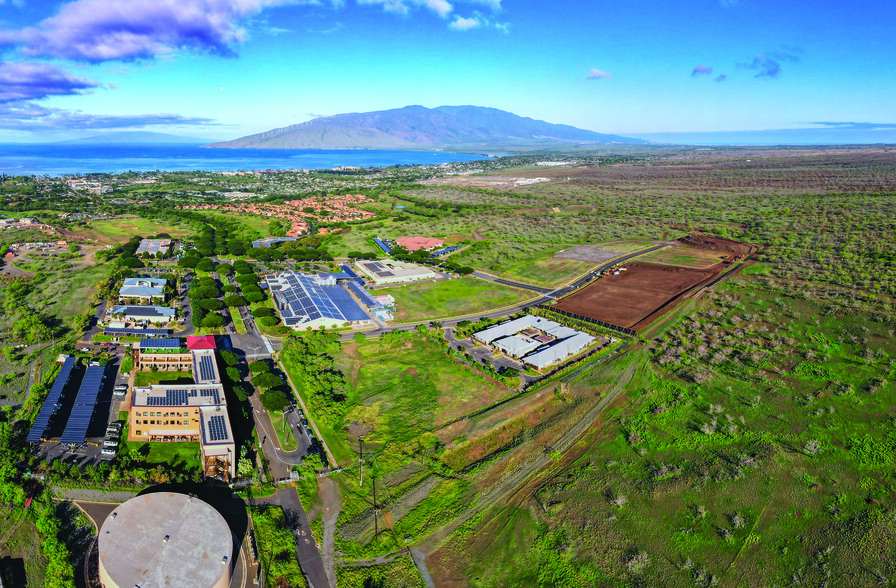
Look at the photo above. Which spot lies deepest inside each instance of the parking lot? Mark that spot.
(107, 410)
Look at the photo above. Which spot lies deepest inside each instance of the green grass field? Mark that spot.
(142, 378)
(287, 441)
(121, 230)
(399, 573)
(184, 455)
(408, 387)
(463, 296)
(546, 271)
(251, 221)
(683, 257)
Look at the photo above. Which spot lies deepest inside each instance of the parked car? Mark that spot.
(110, 443)
(107, 452)
(85, 349)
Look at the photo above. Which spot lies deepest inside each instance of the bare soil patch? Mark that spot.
(633, 298)
(732, 248)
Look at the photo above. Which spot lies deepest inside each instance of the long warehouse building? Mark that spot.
(307, 301)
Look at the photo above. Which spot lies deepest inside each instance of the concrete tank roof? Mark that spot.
(165, 540)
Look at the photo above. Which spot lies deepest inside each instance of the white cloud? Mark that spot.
(464, 24)
(597, 74)
(440, 7)
(493, 4)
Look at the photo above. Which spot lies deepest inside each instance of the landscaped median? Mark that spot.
(238, 322)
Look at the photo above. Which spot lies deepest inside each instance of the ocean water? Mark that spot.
(63, 159)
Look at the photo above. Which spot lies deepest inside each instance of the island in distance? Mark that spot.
(421, 128)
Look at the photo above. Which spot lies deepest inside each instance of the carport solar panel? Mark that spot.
(49, 407)
(85, 402)
(136, 332)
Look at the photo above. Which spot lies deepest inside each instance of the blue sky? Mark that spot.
(226, 68)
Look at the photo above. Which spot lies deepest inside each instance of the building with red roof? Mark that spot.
(415, 243)
(205, 342)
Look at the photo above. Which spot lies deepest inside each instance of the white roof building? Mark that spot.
(537, 341)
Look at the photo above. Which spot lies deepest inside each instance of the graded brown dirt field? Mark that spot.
(637, 295)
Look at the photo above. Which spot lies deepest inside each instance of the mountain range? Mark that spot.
(134, 137)
(420, 128)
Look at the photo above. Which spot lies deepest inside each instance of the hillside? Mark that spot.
(417, 127)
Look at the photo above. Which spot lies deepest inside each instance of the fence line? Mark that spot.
(611, 326)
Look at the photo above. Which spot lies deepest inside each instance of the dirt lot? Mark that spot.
(589, 253)
(634, 297)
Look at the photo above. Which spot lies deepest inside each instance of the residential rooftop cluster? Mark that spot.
(337, 208)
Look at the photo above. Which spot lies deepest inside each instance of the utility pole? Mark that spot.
(376, 512)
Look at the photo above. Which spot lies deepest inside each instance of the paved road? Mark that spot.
(279, 461)
(306, 548)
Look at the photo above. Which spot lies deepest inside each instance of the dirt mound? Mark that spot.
(717, 244)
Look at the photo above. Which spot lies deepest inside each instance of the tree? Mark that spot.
(274, 400)
(262, 311)
(266, 381)
(230, 358)
(242, 266)
(213, 321)
(206, 265)
(268, 321)
(254, 296)
(259, 367)
(234, 300)
(211, 304)
(233, 374)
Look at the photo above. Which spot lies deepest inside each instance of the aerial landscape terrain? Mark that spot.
(447, 294)
(720, 411)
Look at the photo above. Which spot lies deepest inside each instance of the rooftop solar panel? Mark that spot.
(136, 332)
(382, 245)
(85, 402)
(217, 429)
(167, 343)
(42, 422)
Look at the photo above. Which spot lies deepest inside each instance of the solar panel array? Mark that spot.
(363, 294)
(213, 393)
(383, 245)
(42, 422)
(172, 397)
(85, 403)
(346, 269)
(217, 429)
(151, 332)
(207, 372)
(444, 251)
(303, 300)
(170, 343)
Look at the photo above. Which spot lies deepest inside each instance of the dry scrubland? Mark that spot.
(744, 439)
